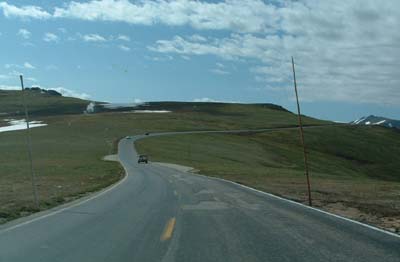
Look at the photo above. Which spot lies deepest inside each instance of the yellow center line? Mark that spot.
(168, 230)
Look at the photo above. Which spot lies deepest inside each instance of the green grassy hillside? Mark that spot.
(39, 104)
(341, 152)
(352, 168)
(68, 152)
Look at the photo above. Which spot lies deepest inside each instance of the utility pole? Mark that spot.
(302, 136)
(28, 140)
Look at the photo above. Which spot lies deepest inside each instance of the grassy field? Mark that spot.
(68, 152)
(11, 104)
(355, 171)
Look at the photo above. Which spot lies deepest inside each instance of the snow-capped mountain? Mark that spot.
(377, 120)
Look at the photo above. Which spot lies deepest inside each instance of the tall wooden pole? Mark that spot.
(28, 140)
(302, 136)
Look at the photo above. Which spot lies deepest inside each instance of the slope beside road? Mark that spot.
(160, 214)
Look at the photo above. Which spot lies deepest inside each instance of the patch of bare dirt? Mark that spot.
(390, 223)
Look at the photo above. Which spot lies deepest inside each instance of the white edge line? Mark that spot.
(300, 204)
(96, 195)
(294, 202)
(274, 196)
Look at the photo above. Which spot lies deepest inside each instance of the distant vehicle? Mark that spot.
(147, 133)
(143, 159)
(128, 137)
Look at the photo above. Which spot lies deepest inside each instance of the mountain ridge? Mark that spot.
(377, 121)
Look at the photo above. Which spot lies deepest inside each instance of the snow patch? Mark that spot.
(120, 105)
(368, 123)
(380, 122)
(111, 158)
(14, 125)
(359, 120)
(151, 111)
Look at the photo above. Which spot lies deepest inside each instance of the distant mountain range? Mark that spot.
(377, 121)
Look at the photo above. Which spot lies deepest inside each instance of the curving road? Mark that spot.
(160, 214)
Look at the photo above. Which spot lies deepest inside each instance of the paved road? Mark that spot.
(161, 214)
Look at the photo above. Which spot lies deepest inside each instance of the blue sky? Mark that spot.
(346, 53)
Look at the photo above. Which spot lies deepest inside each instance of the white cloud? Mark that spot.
(234, 47)
(344, 50)
(219, 71)
(31, 79)
(27, 11)
(160, 58)
(71, 93)
(6, 87)
(198, 38)
(237, 15)
(123, 38)
(28, 66)
(327, 72)
(14, 73)
(185, 57)
(100, 38)
(205, 99)
(50, 37)
(93, 38)
(25, 65)
(24, 33)
(124, 48)
(211, 100)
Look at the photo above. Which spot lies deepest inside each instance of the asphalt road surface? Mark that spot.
(160, 214)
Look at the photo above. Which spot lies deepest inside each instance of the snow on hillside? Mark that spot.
(377, 121)
(151, 111)
(20, 124)
(120, 105)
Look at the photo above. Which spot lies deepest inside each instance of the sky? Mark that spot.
(346, 53)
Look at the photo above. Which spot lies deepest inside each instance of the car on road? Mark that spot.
(128, 137)
(147, 133)
(143, 159)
